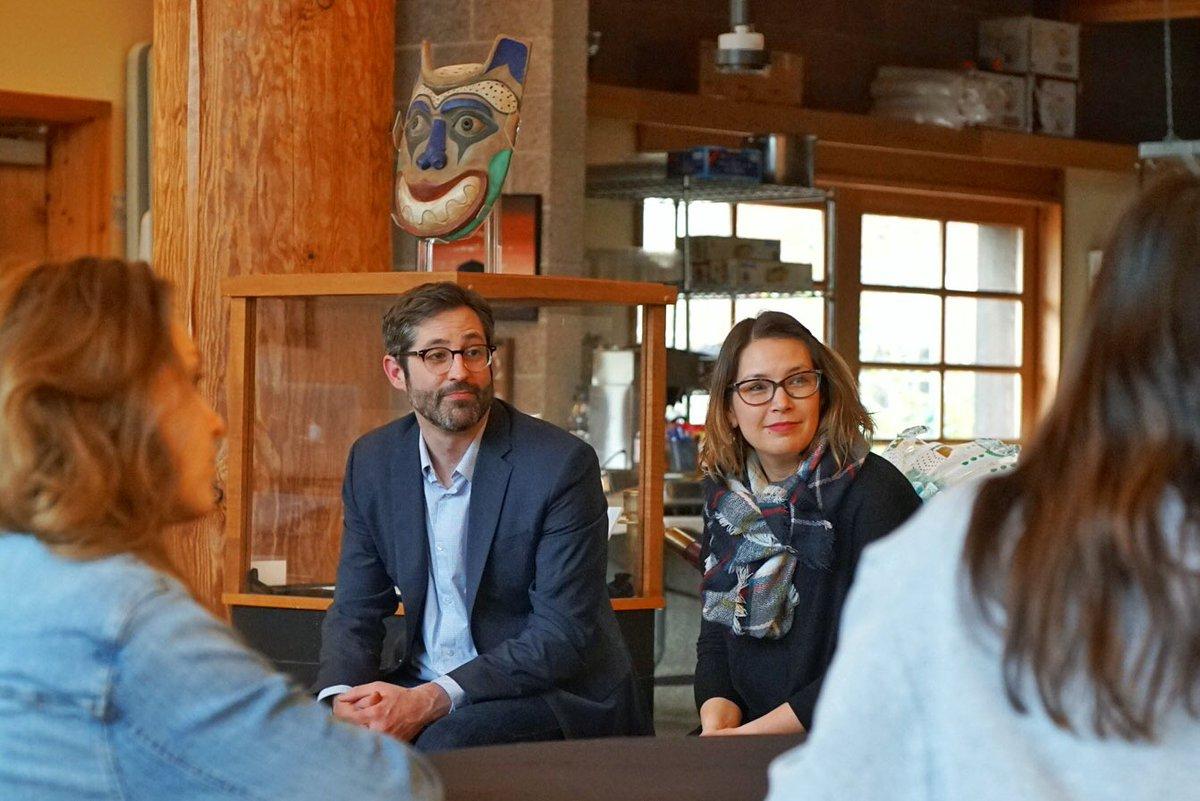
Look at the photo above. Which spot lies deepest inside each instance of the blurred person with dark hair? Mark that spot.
(792, 496)
(114, 682)
(1037, 635)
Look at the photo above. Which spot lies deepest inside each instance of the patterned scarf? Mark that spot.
(762, 532)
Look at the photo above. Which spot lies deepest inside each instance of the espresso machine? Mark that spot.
(612, 400)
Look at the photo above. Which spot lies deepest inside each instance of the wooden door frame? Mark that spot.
(78, 169)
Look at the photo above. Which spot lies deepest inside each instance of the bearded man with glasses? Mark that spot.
(491, 527)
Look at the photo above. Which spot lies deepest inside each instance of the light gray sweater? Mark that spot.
(914, 704)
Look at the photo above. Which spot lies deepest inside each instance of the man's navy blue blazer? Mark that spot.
(536, 558)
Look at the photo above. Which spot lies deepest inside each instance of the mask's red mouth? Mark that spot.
(425, 209)
(425, 192)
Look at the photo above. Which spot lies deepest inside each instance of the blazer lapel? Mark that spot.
(488, 487)
(406, 527)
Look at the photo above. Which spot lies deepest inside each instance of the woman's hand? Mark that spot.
(719, 715)
(780, 720)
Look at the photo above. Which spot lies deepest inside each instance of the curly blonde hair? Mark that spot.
(82, 466)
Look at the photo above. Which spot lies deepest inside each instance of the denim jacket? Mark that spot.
(115, 684)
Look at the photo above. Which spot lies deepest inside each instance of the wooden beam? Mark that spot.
(536, 289)
(79, 188)
(321, 604)
(51, 108)
(1049, 311)
(1127, 10)
(717, 116)
(239, 473)
(267, 160)
(840, 165)
(652, 461)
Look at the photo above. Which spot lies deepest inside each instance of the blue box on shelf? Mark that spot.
(716, 163)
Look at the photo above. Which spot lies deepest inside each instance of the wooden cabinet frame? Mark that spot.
(244, 293)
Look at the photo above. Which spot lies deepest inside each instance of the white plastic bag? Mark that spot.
(933, 466)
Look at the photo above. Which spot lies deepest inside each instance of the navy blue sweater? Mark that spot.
(759, 675)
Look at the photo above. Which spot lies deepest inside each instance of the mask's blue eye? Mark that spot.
(418, 125)
(468, 125)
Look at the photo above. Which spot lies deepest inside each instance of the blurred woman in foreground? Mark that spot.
(114, 683)
(1037, 636)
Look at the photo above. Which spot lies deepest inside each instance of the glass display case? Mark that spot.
(305, 380)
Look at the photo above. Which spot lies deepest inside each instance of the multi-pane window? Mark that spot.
(934, 303)
(940, 340)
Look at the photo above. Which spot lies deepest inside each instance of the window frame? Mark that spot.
(852, 204)
(841, 286)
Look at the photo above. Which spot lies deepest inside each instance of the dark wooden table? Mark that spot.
(615, 769)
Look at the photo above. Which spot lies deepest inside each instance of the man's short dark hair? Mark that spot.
(429, 300)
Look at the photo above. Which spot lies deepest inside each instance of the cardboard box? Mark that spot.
(633, 264)
(748, 275)
(724, 248)
(1016, 111)
(1054, 107)
(782, 81)
(1024, 45)
(715, 163)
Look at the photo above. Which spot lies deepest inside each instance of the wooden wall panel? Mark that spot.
(77, 184)
(844, 44)
(78, 188)
(356, 115)
(272, 155)
(22, 212)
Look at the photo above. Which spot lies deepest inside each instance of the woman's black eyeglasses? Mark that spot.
(438, 360)
(757, 391)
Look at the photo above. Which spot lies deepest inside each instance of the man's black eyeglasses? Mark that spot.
(438, 360)
(757, 391)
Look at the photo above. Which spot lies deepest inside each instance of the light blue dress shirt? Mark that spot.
(446, 624)
(445, 641)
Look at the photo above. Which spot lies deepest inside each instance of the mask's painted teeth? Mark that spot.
(440, 211)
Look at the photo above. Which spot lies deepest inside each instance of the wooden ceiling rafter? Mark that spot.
(719, 117)
(1104, 11)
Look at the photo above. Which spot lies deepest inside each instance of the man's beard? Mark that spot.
(453, 415)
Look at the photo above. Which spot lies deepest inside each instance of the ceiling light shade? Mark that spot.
(1172, 154)
(743, 48)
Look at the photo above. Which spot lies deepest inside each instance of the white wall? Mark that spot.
(1092, 203)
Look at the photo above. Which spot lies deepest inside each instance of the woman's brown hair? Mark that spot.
(82, 467)
(843, 418)
(1086, 557)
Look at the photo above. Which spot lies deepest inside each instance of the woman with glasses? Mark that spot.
(792, 496)
(114, 682)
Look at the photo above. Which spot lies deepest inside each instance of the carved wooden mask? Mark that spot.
(455, 140)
